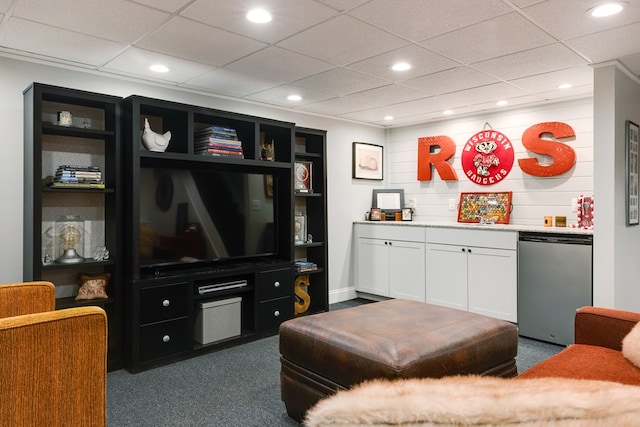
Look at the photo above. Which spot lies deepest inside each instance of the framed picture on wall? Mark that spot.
(367, 161)
(631, 181)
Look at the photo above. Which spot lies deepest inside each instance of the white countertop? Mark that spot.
(497, 227)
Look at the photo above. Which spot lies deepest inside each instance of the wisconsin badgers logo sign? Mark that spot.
(487, 157)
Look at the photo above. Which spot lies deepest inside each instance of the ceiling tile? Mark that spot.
(198, 42)
(417, 20)
(336, 106)
(450, 81)
(289, 17)
(115, 20)
(390, 94)
(341, 81)
(136, 62)
(5, 5)
(552, 15)
(278, 95)
(531, 62)
(166, 5)
(477, 95)
(609, 44)
(342, 5)
(422, 60)
(547, 82)
(230, 83)
(56, 44)
(279, 65)
(489, 39)
(342, 40)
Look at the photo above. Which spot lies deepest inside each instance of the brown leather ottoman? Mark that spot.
(323, 353)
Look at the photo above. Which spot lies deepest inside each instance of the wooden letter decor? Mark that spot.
(563, 156)
(303, 300)
(426, 158)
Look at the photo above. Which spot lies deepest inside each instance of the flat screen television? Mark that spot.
(205, 216)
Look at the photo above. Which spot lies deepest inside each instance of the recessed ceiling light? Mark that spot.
(387, 118)
(259, 16)
(447, 112)
(502, 103)
(401, 66)
(159, 68)
(565, 86)
(607, 9)
(294, 98)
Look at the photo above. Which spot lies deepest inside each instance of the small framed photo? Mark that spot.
(367, 161)
(300, 229)
(302, 172)
(407, 215)
(375, 214)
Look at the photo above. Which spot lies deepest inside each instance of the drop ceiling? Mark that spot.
(336, 54)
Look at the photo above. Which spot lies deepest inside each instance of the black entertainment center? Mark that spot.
(206, 229)
(204, 249)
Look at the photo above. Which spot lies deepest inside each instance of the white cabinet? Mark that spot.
(390, 260)
(473, 270)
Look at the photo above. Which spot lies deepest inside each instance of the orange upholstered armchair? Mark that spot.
(597, 352)
(53, 364)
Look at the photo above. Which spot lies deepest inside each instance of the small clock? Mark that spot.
(164, 193)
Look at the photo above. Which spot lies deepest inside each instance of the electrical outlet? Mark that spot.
(452, 204)
(574, 204)
(411, 203)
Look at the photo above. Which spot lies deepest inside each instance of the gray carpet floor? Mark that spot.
(237, 386)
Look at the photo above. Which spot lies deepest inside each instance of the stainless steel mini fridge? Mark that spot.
(554, 279)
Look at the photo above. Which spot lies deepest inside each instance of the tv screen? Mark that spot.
(190, 215)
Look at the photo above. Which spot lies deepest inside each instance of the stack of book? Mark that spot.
(71, 176)
(218, 141)
(303, 266)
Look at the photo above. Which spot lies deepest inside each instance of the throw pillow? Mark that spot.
(92, 287)
(631, 346)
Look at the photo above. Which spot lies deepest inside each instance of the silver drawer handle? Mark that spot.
(166, 338)
(166, 303)
(276, 313)
(276, 284)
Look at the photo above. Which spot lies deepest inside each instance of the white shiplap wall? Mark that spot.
(533, 197)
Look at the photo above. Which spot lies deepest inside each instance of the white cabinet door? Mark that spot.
(446, 275)
(492, 276)
(372, 266)
(407, 270)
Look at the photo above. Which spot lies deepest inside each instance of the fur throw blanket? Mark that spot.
(481, 401)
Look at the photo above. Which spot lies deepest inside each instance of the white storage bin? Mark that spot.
(218, 320)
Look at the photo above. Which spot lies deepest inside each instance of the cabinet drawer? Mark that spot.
(275, 284)
(483, 238)
(163, 302)
(164, 339)
(272, 313)
(408, 233)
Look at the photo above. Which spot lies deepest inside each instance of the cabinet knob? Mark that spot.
(276, 313)
(276, 284)
(464, 250)
(166, 303)
(166, 338)
(469, 250)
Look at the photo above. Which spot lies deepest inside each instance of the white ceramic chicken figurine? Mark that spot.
(153, 141)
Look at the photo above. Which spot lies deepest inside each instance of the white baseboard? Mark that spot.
(344, 294)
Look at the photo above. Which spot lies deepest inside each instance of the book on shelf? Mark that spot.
(304, 266)
(99, 186)
(75, 176)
